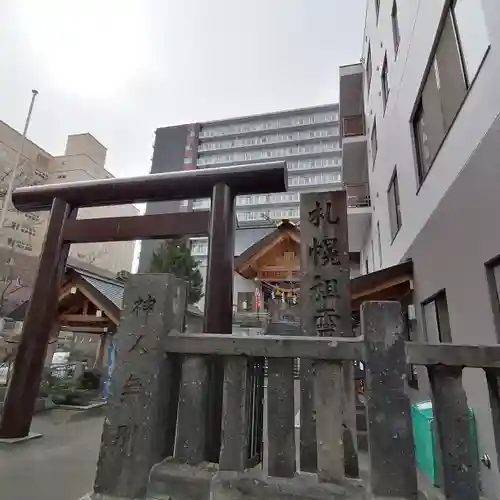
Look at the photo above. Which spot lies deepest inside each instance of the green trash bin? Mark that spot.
(426, 443)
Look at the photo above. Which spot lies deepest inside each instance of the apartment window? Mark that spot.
(461, 47)
(493, 276)
(28, 230)
(43, 175)
(385, 82)
(436, 318)
(394, 204)
(368, 67)
(395, 26)
(379, 241)
(472, 35)
(19, 244)
(373, 141)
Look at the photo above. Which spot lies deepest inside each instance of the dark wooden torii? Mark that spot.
(63, 200)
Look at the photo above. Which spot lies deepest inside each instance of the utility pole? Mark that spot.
(10, 188)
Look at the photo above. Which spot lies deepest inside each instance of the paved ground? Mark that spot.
(58, 466)
(61, 465)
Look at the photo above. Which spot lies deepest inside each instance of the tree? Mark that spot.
(174, 257)
(14, 277)
(15, 271)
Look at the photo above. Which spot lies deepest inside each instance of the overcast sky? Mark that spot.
(120, 69)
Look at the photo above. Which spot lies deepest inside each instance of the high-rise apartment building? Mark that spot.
(421, 122)
(308, 139)
(23, 233)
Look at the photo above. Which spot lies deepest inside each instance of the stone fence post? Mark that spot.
(390, 436)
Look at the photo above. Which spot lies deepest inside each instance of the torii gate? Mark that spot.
(221, 184)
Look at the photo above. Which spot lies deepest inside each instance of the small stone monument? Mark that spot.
(134, 436)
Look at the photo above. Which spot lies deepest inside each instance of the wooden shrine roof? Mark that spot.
(392, 283)
(89, 301)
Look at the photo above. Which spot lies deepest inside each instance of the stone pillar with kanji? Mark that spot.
(134, 433)
(326, 311)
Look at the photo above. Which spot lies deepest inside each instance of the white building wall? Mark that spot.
(240, 284)
(418, 23)
(450, 222)
(203, 271)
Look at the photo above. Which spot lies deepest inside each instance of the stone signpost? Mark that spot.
(134, 436)
(326, 312)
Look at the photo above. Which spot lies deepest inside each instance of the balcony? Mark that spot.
(351, 90)
(354, 150)
(358, 195)
(353, 126)
(359, 212)
(354, 140)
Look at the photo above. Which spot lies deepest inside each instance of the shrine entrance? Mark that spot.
(182, 400)
(273, 263)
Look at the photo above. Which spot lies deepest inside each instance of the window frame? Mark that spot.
(379, 242)
(373, 134)
(369, 68)
(396, 33)
(494, 292)
(384, 78)
(433, 299)
(448, 10)
(397, 204)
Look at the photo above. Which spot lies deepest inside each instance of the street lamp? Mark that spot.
(10, 188)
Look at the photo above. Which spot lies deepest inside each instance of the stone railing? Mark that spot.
(157, 409)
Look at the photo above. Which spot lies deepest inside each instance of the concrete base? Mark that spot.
(254, 485)
(96, 496)
(82, 407)
(29, 437)
(173, 481)
(170, 480)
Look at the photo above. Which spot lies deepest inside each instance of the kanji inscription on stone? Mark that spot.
(325, 264)
(317, 215)
(132, 385)
(325, 252)
(326, 312)
(324, 290)
(147, 305)
(124, 438)
(326, 322)
(134, 432)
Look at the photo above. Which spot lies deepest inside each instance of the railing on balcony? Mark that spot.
(358, 195)
(353, 125)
